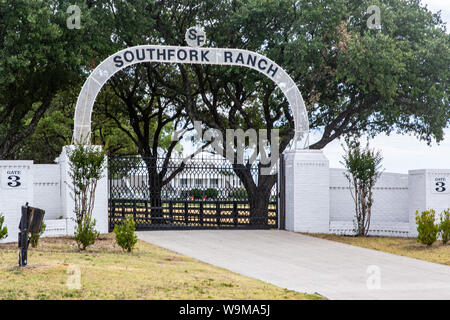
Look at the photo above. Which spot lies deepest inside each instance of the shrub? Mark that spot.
(211, 193)
(444, 226)
(85, 233)
(125, 236)
(196, 193)
(87, 164)
(426, 227)
(363, 170)
(34, 239)
(3, 229)
(238, 194)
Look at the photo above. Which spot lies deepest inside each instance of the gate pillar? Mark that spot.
(307, 191)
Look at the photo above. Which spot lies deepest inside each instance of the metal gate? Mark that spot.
(202, 193)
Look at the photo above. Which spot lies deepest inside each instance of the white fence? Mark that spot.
(45, 186)
(318, 198)
(389, 212)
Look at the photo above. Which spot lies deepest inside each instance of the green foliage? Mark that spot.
(87, 164)
(444, 226)
(363, 170)
(196, 193)
(357, 80)
(85, 233)
(239, 194)
(211, 193)
(3, 228)
(34, 239)
(52, 133)
(125, 236)
(39, 57)
(426, 228)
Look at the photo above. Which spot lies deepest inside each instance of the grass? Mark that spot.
(408, 247)
(150, 272)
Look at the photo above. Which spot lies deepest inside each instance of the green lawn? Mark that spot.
(107, 272)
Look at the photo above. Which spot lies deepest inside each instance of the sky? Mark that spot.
(402, 152)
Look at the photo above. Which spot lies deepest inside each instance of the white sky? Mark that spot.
(402, 153)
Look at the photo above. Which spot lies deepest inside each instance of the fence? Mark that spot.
(204, 192)
(317, 198)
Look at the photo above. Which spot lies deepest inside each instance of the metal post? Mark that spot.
(23, 237)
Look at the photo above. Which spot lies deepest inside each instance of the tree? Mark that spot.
(364, 169)
(354, 80)
(86, 164)
(148, 114)
(387, 80)
(55, 130)
(39, 56)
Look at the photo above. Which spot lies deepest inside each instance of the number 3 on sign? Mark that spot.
(13, 179)
(439, 185)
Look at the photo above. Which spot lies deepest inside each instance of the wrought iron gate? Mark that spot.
(203, 193)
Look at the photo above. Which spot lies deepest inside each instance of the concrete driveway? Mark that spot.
(307, 264)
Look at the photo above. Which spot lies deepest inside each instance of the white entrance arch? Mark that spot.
(175, 54)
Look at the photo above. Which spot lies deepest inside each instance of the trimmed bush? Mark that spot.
(238, 194)
(211, 193)
(444, 226)
(85, 233)
(125, 236)
(196, 193)
(3, 229)
(34, 239)
(426, 227)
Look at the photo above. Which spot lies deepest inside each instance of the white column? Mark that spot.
(428, 189)
(100, 211)
(16, 189)
(307, 191)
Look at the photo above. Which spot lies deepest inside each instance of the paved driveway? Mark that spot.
(306, 264)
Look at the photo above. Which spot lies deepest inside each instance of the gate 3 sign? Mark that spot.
(440, 185)
(13, 179)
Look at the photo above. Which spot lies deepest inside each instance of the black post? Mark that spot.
(23, 237)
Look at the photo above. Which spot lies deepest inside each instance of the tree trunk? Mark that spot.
(258, 195)
(259, 204)
(155, 187)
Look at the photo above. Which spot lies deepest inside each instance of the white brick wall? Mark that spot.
(421, 196)
(396, 197)
(389, 212)
(47, 188)
(12, 199)
(307, 191)
(318, 198)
